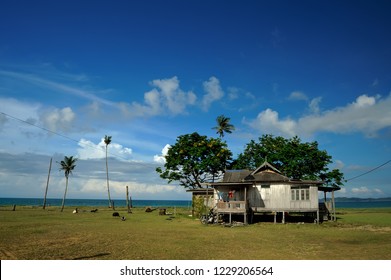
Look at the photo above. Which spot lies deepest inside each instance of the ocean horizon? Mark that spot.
(38, 202)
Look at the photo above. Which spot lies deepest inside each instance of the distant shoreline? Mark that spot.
(356, 199)
(93, 202)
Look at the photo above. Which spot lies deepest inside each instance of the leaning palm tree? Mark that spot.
(223, 125)
(107, 141)
(67, 165)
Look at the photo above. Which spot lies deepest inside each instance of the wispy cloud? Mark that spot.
(56, 86)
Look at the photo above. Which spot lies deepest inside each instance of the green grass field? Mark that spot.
(32, 233)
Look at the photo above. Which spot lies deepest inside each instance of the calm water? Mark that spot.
(154, 203)
(363, 204)
(93, 202)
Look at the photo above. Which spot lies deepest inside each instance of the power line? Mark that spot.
(365, 173)
(56, 133)
(45, 129)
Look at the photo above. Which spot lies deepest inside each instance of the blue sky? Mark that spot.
(146, 72)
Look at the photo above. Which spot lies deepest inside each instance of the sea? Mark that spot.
(38, 202)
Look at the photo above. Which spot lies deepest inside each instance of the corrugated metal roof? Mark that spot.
(266, 173)
(268, 176)
(234, 176)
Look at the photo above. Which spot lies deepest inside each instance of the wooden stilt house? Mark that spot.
(265, 191)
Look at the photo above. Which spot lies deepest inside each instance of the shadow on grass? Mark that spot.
(91, 257)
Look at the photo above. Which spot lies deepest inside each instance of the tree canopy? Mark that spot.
(293, 158)
(195, 159)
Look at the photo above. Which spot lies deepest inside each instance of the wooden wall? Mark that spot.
(279, 197)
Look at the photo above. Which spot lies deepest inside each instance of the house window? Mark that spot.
(300, 193)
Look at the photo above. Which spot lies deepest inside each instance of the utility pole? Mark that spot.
(47, 184)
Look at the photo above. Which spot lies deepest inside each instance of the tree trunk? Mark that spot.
(107, 176)
(65, 194)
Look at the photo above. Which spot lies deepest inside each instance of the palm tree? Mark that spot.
(107, 141)
(223, 125)
(67, 165)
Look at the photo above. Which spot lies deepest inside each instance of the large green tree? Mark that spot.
(67, 165)
(195, 159)
(292, 157)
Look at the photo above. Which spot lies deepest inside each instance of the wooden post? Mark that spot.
(275, 217)
(127, 199)
(317, 216)
(283, 217)
(245, 205)
(207, 201)
(47, 184)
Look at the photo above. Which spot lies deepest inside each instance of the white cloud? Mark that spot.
(162, 158)
(90, 150)
(367, 115)
(364, 115)
(268, 122)
(298, 95)
(173, 98)
(213, 91)
(166, 98)
(366, 191)
(58, 119)
(364, 101)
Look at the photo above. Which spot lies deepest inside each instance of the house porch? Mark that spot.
(232, 208)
